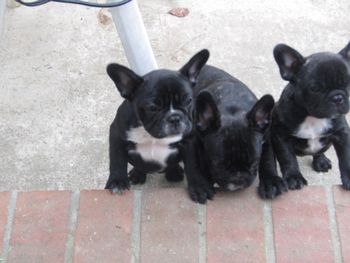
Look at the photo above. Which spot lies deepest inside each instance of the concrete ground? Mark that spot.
(56, 101)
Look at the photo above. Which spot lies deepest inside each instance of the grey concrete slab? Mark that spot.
(56, 101)
(2, 13)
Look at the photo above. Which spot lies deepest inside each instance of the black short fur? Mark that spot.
(231, 141)
(310, 114)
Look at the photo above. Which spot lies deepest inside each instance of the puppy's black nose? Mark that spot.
(338, 99)
(174, 119)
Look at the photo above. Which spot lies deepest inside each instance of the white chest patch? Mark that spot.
(315, 145)
(313, 129)
(233, 187)
(150, 148)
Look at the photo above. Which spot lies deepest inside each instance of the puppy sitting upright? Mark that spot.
(310, 115)
(151, 122)
(231, 142)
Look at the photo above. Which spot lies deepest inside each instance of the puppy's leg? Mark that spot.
(341, 144)
(199, 187)
(321, 163)
(137, 177)
(288, 162)
(118, 176)
(270, 184)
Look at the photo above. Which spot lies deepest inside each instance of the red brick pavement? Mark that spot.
(301, 226)
(169, 227)
(235, 228)
(40, 227)
(104, 227)
(342, 208)
(4, 202)
(163, 225)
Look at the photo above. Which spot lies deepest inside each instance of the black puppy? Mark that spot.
(310, 115)
(153, 119)
(230, 138)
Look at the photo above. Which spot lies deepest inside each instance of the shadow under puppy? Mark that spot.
(310, 114)
(151, 122)
(230, 142)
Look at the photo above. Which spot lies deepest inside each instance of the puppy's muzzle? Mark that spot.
(338, 97)
(176, 123)
(174, 119)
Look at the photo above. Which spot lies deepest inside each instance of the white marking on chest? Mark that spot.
(232, 187)
(314, 146)
(313, 129)
(150, 148)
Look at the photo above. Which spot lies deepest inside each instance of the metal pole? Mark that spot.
(132, 33)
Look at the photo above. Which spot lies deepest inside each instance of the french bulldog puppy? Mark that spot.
(151, 122)
(230, 142)
(310, 114)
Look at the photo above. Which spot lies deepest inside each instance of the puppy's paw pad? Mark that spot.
(272, 187)
(118, 186)
(295, 182)
(321, 164)
(137, 177)
(200, 194)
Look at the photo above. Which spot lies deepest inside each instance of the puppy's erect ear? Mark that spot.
(345, 52)
(192, 68)
(125, 79)
(207, 115)
(259, 116)
(289, 61)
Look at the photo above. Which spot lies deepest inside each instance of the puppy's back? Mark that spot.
(227, 91)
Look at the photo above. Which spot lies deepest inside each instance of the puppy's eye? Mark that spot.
(152, 108)
(158, 103)
(187, 101)
(316, 88)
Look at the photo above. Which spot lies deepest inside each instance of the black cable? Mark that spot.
(107, 5)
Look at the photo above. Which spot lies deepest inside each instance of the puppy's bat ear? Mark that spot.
(125, 79)
(259, 117)
(207, 116)
(288, 60)
(192, 68)
(345, 52)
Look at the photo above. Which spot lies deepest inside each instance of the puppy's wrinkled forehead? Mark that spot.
(239, 145)
(167, 84)
(327, 68)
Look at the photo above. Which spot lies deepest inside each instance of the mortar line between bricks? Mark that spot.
(136, 227)
(8, 228)
(73, 218)
(333, 225)
(202, 221)
(268, 233)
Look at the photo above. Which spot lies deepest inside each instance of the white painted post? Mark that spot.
(132, 33)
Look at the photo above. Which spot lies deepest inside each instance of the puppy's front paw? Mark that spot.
(295, 181)
(117, 184)
(271, 187)
(175, 174)
(200, 193)
(321, 163)
(345, 182)
(137, 177)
